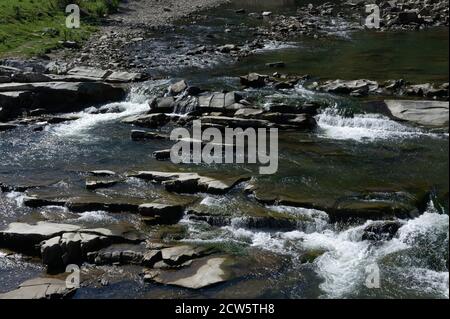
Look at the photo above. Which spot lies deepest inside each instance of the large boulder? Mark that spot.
(162, 105)
(426, 113)
(60, 245)
(24, 237)
(201, 273)
(55, 97)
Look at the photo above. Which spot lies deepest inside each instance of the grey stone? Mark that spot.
(151, 257)
(180, 254)
(40, 288)
(254, 80)
(190, 182)
(55, 97)
(178, 88)
(426, 113)
(200, 274)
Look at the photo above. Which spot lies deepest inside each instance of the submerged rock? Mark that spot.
(21, 236)
(162, 105)
(62, 244)
(180, 254)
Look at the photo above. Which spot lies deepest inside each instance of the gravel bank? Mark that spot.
(135, 18)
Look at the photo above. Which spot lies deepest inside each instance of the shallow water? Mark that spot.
(352, 153)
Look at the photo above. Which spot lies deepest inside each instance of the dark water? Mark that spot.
(345, 157)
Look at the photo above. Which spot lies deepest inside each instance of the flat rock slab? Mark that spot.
(102, 173)
(93, 74)
(25, 237)
(55, 97)
(180, 254)
(426, 113)
(190, 182)
(40, 288)
(162, 214)
(201, 273)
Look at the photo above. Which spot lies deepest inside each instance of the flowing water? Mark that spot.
(354, 151)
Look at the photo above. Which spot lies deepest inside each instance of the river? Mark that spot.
(353, 151)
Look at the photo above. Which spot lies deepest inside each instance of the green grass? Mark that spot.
(34, 27)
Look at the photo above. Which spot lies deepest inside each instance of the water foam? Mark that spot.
(345, 258)
(135, 104)
(363, 127)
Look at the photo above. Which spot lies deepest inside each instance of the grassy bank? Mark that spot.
(33, 27)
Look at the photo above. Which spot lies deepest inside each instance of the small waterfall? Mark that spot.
(363, 127)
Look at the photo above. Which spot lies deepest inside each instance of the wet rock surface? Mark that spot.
(339, 168)
(190, 182)
(57, 97)
(426, 113)
(40, 288)
(200, 274)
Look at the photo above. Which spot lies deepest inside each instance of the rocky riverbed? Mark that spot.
(86, 180)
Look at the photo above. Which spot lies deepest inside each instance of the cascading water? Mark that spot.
(344, 256)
